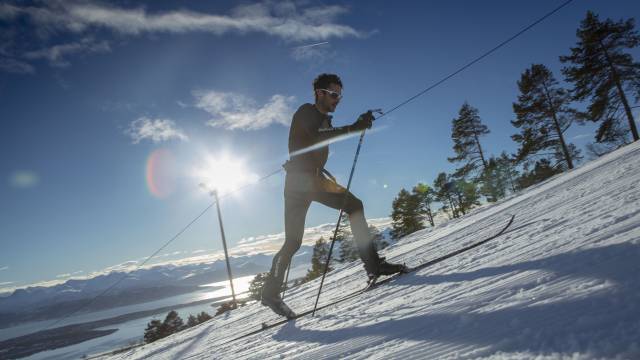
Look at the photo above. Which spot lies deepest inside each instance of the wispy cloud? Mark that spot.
(156, 130)
(234, 111)
(290, 21)
(68, 275)
(23, 179)
(286, 20)
(316, 52)
(3, 268)
(11, 65)
(56, 54)
(312, 45)
(123, 267)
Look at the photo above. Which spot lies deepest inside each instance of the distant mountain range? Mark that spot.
(143, 285)
(38, 303)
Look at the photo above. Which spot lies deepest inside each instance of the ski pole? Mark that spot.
(335, 232)
(286, 280)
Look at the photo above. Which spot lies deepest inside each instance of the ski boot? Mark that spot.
(385, 269)
(271, 298)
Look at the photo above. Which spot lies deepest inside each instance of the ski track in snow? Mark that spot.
(561, 283)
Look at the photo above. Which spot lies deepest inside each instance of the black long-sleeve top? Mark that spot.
(310, 127)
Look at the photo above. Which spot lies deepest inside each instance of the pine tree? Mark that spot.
(466, 131)
(348, 250)
(227, 306)
(541, 171)
(601, 70)
(171, 324)
(405, 215)
(152, 332)
(466, 194)
(491, 186)
(256, 284)
(203, 316)
(507, 171)
(378, 239)
(499, 178)
(543, 115)
(318, 260)
(426, 196)
(192, 321)
(443, 187)
(345, 242)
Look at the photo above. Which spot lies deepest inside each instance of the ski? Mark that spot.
(374, 283)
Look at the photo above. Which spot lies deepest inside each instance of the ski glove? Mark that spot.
(365, 121)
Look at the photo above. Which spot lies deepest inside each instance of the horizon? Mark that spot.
(266, 244)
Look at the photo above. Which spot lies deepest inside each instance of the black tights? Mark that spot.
(332, 195)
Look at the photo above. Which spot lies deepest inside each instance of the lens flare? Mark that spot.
(160, 173)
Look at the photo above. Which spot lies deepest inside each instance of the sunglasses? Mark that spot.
(333, 94)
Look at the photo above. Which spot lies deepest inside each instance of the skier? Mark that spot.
(308, 181)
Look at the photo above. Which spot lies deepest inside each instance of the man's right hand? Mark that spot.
(365, 121)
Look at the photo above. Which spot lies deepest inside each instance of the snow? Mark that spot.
(561, 283)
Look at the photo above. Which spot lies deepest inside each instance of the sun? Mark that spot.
(223, 174)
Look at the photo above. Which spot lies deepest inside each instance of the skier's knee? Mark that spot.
(353, 205)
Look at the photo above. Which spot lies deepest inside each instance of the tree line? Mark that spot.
(603, 76)
(172, 324)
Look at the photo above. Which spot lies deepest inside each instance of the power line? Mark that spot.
(525, 29)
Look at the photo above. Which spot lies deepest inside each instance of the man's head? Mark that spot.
(328, 92)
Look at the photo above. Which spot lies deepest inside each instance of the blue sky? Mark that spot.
(91, 91)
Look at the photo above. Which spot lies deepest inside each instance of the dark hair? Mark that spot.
(323, 81)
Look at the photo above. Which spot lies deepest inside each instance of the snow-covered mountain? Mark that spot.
(181, 276)
(561, 283)
(141, 285)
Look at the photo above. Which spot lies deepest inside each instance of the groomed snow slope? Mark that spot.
(563, 282)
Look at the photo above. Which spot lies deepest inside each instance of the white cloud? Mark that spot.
(46, 20)
(4, 268)
(156, 130)
(15, 66)
(56, 54)
(24, 179)
(123, 267)
(8, 12)
(234, 111)
(316, 52)
(284, 20)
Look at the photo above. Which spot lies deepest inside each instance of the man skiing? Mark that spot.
(308, 181)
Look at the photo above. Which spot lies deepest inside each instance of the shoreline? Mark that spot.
(51, 339)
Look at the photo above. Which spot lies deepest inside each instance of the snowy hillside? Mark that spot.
(562, 282)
